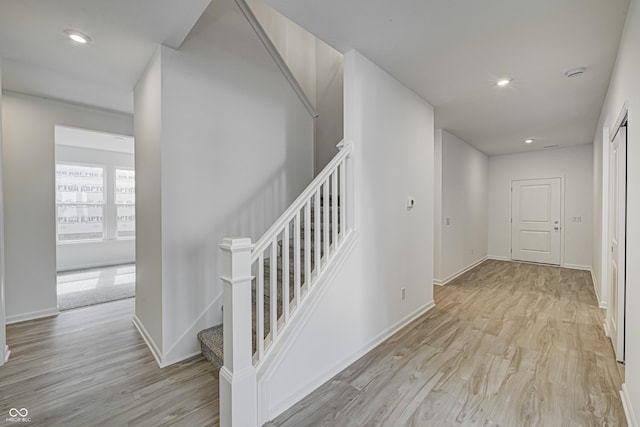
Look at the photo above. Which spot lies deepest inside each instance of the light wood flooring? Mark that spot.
(90, 367)
(508, 344)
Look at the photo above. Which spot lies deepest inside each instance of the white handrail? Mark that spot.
(263, 243)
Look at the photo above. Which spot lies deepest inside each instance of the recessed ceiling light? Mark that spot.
(77, 36)
(503, 82)
(528, 140)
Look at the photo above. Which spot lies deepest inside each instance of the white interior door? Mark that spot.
(617, 240)
(535, 220)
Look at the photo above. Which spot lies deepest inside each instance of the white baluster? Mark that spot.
(307, 244)
(296, 259)
(260, 308)
(317, 230)
(341, 200)
(334, 209)
(238, 403)
(273, 290)
(285, 272)
(325, 213)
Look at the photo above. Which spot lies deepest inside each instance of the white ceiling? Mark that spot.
(448, 51)
(37, 57)
(451, 52)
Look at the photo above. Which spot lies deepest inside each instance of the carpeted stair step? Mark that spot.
(211, 345)
(211, 340)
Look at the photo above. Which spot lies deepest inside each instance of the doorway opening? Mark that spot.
(95, 217)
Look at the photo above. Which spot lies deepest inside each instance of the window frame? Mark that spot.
(104, 202)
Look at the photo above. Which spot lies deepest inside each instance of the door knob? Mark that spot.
(556, 228)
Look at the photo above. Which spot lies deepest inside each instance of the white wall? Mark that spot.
(148, 140)
(4, 350)
(464, 182)
(29, 202)
(110, 251)
(236, 148)
(392, 131)
(575, 166)
(319, 70)
(624, 88)
(329, 104)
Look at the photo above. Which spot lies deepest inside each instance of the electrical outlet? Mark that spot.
(577, 219)
(403, 293)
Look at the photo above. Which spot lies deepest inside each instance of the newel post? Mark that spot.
(238, 392)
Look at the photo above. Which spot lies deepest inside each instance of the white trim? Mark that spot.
(632, 420)
(275, 54)
(7, 353)
(597, 290)
(168, 362)
(498, 258)
(562, 179)
(459, 272)
(148, 340)
(40, 314)
(266, 370)
(577, 267)
(304, 390)
(189, 330)
(91, 266)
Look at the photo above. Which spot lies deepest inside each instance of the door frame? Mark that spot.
(606, 225)
(607, 136)
(562, 218)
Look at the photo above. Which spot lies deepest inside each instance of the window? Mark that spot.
(125, 201)
(79, 202)
(94, 202)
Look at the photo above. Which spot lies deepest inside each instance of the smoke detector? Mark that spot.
(575, 72)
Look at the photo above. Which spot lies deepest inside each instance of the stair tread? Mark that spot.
(211, 339)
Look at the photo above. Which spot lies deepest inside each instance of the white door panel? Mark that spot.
(535, 220)
(617, 241)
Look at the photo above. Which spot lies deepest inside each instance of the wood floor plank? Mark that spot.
(508, 344)
(90, 367)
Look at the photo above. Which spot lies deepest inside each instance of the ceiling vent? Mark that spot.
(575, 72)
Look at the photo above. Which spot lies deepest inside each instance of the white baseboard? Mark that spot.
(304, 390)
(577, 267)
(92, 265)
(186, 346)
(7, 353)
(596, 289)
(40, 314)
(632, 420)
(459, 272)
(606, 329)
(148, 340)
(498, 258)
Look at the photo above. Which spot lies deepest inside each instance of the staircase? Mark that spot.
(269, 285)
(211, 339)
